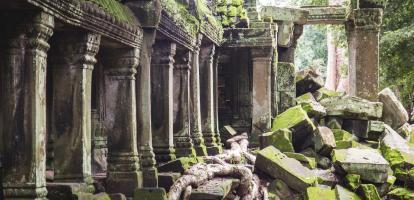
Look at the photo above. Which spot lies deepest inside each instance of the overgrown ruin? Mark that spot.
(125, 99)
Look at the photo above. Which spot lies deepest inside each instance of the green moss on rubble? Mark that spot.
(352, 181)
(281, 139)
(317, 193)
(292, 117)
(306, 161)
(393, 156)
(400, 193)
(179, 13)
(369, 192)
(342, 135)
(116, 9)
(324, 93)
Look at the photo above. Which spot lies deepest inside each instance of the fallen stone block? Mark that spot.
(167, 179)
(308, 80)
(368, 163)
(311, 106)
(297, 121)
(180, 164)
(366, 129)
(150, 194)
(286, 100)
(342, 135)
(350, 107)
(324, 140)
(346, 144)
(334, 122)
(277, 165)
(326, 177)
(368, 192)
(401, 193)
(384, 188)
(395, 150)
(342, 193)
(375, 129)
(227, 132)
(309, 162)
(406, 131)
(279, 190)
(394, 113)
(324, 93)
(318, 193)
(281, 139)
(352, 181)
(217, 188)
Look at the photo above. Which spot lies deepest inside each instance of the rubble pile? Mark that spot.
(328, 146)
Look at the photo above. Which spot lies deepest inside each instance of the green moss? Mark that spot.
(317, 193)
(307, 97)
(369, 192)
(281, 139)
(324, 93)
(352, 181)
(307, 161)
(342, 135)
(116, 9)
(179, 13)
(393, 156)
(292, 117)
(401, 194)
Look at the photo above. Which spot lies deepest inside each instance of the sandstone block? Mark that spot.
(318, 193)
(394, 113)
(227, 132)
(342, 193)
(311, 106)
(281, 139)
(396, 150)
(324, 140)
(217, 188)
(369, 192)
(348, 107)
(324, 93)
(308, 80)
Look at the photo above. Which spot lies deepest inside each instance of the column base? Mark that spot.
(164, 154)
(150, 177)
(24, 192)
(155, 193)
(149, 171)
(69, 190)
(123, 182)
(185, 152)
(201, 150)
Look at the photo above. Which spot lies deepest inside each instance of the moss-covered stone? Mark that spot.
(150, 194)
(368, 192)
(323, 93)
(180, 164)
(317, 193)
(342, 135)
(384, 188)
(281, 139)
(346, 144)
(400, 193)
(351, 107)
(352, 181)
(180, 15)
(307, 161)
(116, 9)
(342, 193)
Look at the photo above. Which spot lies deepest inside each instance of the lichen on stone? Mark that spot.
(116, 9)
(180, 15)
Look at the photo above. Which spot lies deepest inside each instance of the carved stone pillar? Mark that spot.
(72, 66)
(24, 109)
(123, 174)
(144, 121)
(207, 99)
(215, 88)
(287, 54)
(162, 64)
(195, 113)
(261, 114)
(363, 39)
(182, 138)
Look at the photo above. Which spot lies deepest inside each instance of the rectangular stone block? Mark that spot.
(394, 113)
(368, 163)
(308, 80)
(311, 106)
(281, 139)
(227, 132)
(277, 165)
(324, 140)
(396, 150)
(350, 107)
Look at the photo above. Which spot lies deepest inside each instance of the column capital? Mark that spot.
(163, 52)
(39, 31)
(182, 60)
(368, 18)
(261, 54)
(122, 63)
(207, 51)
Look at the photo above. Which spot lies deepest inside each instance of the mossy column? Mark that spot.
(207, 98)
(162, 63)
(182, 138)
(73, 61)
(195, 111)
(144, 122)
(123, 175)
(24, 107)
(286, 87)
(363, 40)
(261, 83)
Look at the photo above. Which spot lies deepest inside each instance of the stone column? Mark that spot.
(24, 109)
(207, 99)
(162, 64)
(195, 113)
(363, 40)
(73, 62)
(215, 88)
(261, 83)
(123, 174)
(287, 54)
(273, 82)
(182, 138)
(144, 121)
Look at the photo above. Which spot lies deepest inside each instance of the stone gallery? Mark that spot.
(192, 99)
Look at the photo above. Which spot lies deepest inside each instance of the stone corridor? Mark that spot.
(98, 95)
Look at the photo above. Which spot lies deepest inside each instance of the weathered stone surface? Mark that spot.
(375, 129)
(311, 106)
(309, 162)
(342, 193)
(326, 177)
(227, 132)
(296, 15)
(65, 190)
(281, 139)
(167, 179)
(368, 163)
(308, 80)
(401, 193)
(180, 164)
(352, 181)
(150, 194)
(394, 113)
(384, 188)
(324, 93)
(324, 140)
(297, 121)
(286, 87)
(318, 193)
(342, 135)
(333, 122)
(352, 108)
(346, 144)
(369, 192)
(215, 189)
(279, 190)
(396, 150)
(277, 165)
(366, 129)
(406, 131)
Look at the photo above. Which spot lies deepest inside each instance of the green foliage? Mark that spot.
(116, 9)
(312, 48)
(179, 13)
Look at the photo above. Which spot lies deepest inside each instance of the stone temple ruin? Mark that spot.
(115, 99)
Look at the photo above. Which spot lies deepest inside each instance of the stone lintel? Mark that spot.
(296, 15)
(326, 14)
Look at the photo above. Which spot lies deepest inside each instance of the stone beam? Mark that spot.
(24, 108)
(72, 64)
(162, 63)
(363, 45)
(124, 175)
(326, 14)
(295, 15)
